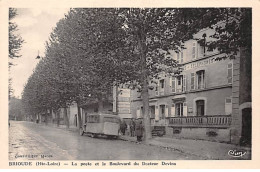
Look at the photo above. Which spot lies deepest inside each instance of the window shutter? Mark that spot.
(230, 72)
(181, 56)
(156, 113)
(173, 110)
(138, 113)
(184, 83)
(204, 79)
(192, 81)
(173, 84)
(185, 109)
(166, 111)
(194, 50)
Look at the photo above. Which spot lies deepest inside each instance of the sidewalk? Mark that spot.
(61, 126)
(205, 149)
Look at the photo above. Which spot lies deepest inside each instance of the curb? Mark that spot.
(164, 147)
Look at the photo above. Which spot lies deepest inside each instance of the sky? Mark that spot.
(35, 26)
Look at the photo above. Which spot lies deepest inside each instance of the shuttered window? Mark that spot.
(201, 79)
(179, 109)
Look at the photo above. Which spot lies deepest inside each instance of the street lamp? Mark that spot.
(38, 57)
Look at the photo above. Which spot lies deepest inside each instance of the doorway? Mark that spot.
(246, 134)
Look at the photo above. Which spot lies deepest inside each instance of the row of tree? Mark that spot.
(91, 50)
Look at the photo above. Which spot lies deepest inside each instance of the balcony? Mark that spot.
(218, 121)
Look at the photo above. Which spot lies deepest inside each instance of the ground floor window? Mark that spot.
(152, 111)
(200, 106)
(162, 111)
(179, 109)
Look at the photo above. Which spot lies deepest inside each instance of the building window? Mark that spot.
(162, 83)
(230, 73)
(162, 111)
(179, 84)
(152, 111)
(194, 50)
(201, 79)
(179, 109)
(156, 90)
(200, 106)
(161, 86)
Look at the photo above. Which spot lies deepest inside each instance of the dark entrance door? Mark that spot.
(246, 135)
(200, 107)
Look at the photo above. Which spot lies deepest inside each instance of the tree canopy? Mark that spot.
(91, 50)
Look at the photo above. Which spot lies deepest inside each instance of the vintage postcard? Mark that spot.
(116, 84)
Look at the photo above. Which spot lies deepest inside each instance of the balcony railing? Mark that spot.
(219, 121)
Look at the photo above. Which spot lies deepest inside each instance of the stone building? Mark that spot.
(204, 101)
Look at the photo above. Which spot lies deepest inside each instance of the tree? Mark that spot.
(15, 40)
(15, 43)
(91, 49)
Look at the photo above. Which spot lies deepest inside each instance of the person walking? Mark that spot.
(139, 131)
(123, 127)
(132, 128)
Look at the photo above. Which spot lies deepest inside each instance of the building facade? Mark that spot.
(199, 103)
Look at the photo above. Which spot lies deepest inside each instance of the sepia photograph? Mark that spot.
(151, 85)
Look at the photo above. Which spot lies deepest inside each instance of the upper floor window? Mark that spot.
(201, 79)
(178, 84)
(162, 83)
(198, 80)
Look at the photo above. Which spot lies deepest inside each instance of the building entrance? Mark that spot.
(246, 135)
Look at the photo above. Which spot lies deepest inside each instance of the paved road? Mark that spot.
(33, 141)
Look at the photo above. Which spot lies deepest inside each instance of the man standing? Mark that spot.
(123, 127)
(139, 131)
(132, 128)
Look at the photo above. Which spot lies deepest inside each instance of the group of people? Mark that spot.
(136, 129)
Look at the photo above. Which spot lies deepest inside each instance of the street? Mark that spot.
(33, 141)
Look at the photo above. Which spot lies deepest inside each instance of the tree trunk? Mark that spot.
(46, 117)
(144, 77)
(79, 116)
(58, 118)
(66, 118)
(100, 104)
(147, 122)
